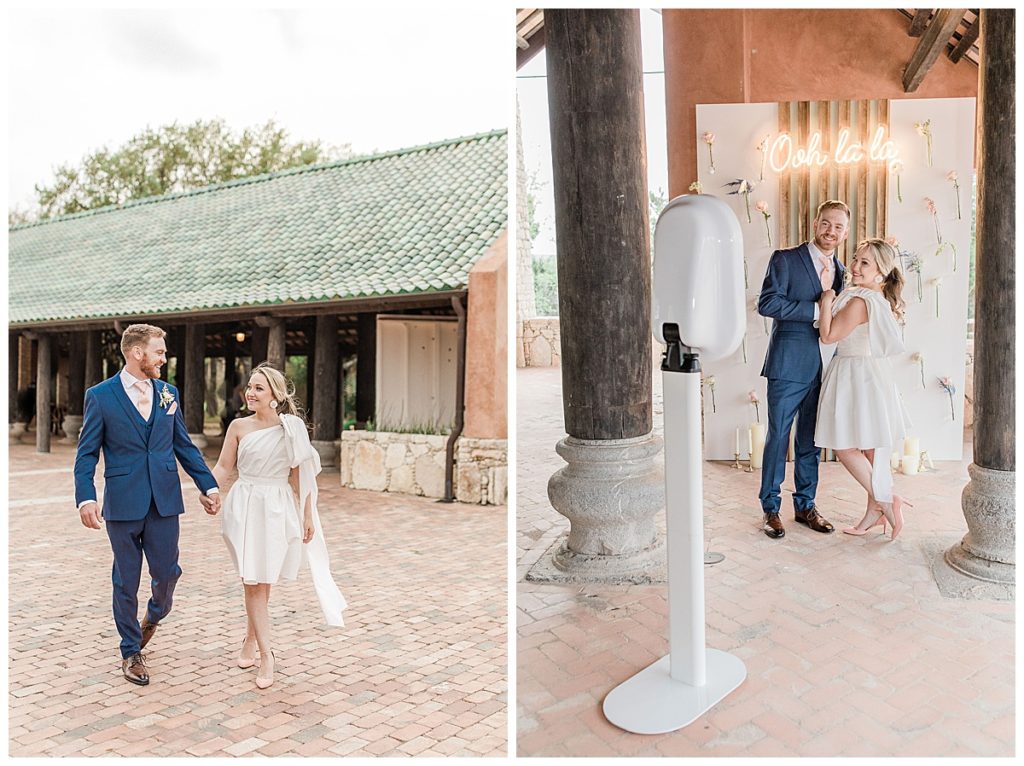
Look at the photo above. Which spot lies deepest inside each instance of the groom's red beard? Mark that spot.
(150, 370)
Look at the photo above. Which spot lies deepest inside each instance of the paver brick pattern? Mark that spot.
(850, 649)
(420, 667)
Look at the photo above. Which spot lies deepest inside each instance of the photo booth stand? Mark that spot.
(698, 311)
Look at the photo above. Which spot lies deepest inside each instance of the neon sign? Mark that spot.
(783, 155)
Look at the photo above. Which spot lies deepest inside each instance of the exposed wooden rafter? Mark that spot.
(967, 40)
(920, 21)
(529, 34)
(933, 42)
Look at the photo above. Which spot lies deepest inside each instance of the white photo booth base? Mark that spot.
(936, 325)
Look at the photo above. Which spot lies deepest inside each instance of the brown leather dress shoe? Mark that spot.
(148, 629)
(773, 526)
(134, 669)
(814, 520)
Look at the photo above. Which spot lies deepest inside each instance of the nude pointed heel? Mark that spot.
(266, 683)
(245, 662)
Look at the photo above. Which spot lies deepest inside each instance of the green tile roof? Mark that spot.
(403, 222)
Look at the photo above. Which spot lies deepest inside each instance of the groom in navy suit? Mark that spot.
(135, 419)
(792, 287)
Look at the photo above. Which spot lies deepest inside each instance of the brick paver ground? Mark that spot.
(420, 667)
(849, 647)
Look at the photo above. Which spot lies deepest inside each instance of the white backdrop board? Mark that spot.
(941, 339)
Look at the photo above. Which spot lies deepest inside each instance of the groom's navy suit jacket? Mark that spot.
(790, 290)
(139, 456)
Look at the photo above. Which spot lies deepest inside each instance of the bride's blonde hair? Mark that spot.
(892, 278)
(280, 387)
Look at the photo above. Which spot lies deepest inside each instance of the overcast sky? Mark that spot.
(376, 79)
(531, 89)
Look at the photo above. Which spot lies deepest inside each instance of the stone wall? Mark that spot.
(413, 464)
(481, 471)
(541, 342)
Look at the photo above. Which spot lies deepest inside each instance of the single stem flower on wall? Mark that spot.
(710, 381)
(938, 283)
(709, 139)
(925, 129)
(752, 395)
(697, 187)
(897, 169)
(952, 249)
(951, 176)
(935, 217)
(743, 187)
(912, 263)
(763, 148)
(762, 208)
(947, 384)
(919, 358)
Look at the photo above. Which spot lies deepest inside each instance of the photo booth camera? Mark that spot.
(698, 313)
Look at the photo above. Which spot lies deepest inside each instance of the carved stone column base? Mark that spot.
(611, 491)
(987, 550)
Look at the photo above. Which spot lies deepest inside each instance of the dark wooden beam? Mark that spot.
(323, 374)
(535, 45)
(366, 370)
(195, 378)
(919, 22)
(383, 305)
(44, 390)
(966, 41)
(933, 42)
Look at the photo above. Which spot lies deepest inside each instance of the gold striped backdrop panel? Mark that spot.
(863, 186)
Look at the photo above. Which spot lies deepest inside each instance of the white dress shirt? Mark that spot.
(816, 256)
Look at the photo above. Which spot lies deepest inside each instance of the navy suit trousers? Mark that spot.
(788, 400)
(155, 536)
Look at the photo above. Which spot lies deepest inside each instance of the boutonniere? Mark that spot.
(166, 397)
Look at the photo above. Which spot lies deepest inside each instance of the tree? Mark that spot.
(175, 158)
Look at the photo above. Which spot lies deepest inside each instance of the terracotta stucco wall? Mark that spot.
(487, 345)
(752, 56)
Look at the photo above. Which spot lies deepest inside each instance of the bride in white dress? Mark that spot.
(270, 524)
(860, 413)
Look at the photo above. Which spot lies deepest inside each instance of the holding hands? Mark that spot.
(827, 297)
(211, 503)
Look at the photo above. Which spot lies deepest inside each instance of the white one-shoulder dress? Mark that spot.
(262, 517)
(860, 405)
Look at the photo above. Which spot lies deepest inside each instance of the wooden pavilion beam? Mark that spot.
(966, 41)
(919, 22)
(933, 42)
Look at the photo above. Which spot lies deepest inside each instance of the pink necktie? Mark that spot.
(145, 404)
(826, 273)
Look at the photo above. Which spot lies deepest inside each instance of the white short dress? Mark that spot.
(860, 405)
(262, 517)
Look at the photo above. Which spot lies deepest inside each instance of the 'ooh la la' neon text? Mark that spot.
(783, 154)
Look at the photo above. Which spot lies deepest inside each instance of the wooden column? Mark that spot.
(598, 153)
(309, 395)
(260, 337)
(324, 378)
(13, 347)
(93, 359)
(230, 368)
(195, 382)
(366, 370)
(276, 344)
(994, 323)
(987, 552)
(44, 390)
(76, 377)
(595, 96)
